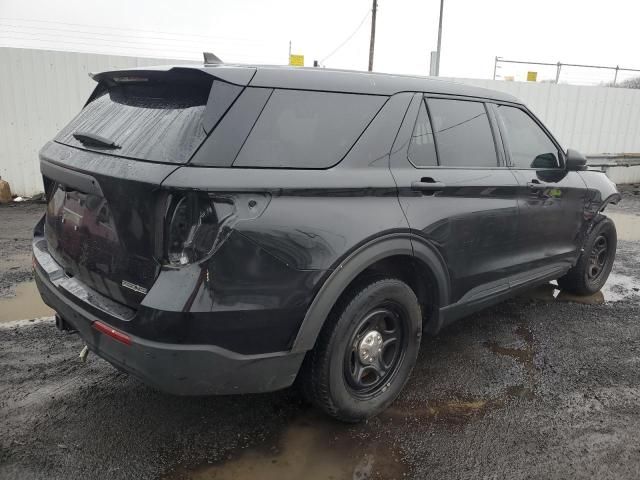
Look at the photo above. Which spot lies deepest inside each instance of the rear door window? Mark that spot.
(529, 146)
(307, 129)
(462, 132)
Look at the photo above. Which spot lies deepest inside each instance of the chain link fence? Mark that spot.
(567, 73)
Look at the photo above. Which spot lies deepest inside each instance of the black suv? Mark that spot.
(224, 229)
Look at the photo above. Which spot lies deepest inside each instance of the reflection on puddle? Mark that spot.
(26, 304)
(450, 412)
(523, 353)
(523, 356)
(457, 411)
(311, 449)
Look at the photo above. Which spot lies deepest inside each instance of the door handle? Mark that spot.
(427, 184)
(535, 185)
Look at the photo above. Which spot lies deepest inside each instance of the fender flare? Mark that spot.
(354, 264)
(428, 254)
(597, 218)
(613, 198)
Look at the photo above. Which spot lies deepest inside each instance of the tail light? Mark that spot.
(199, 223)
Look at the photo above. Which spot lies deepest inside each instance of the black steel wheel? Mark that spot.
(592, 269)
(365, 352)
(375, 349)
(598, 258)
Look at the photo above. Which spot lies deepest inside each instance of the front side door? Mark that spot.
(551, 199)
(456, 192)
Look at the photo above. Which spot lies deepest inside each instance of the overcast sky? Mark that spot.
(474, 32)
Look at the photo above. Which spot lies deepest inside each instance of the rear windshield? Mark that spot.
(307, 129)
(159, 122)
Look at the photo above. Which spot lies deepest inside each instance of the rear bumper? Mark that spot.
(181, 369)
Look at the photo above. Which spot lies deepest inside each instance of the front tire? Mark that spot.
(365, 352)
(594, 265)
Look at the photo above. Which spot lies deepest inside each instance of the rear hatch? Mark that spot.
(105, 214)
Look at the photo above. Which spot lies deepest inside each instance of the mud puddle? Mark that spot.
(461, 409)
(523, 356)
(618, 287)
(26, 304)
(455, 412)
(311, 448)
(627, 225)
(521, 350)
(451, 412)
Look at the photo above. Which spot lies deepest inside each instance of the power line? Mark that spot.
(106, 48)
(185, 39)
(138, 43)
(106, 27)
(84, 40)
(348, 38)
(187, 46)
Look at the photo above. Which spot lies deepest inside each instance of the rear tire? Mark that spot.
(365, 352)
(594, 265)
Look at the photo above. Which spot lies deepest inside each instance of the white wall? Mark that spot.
(593, 120)
(40, 91)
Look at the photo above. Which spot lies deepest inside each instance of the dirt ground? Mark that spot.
(536, 387)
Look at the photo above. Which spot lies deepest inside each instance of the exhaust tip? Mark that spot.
(63, 325)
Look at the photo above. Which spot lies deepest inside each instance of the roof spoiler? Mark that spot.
(210, 58)
(238, 75)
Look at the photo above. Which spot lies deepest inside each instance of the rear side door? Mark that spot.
(551, 199)
(456, 191)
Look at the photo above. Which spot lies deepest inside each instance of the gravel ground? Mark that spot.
(532, 388)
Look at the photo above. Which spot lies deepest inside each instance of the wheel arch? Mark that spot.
(614, 198)
(355, 263)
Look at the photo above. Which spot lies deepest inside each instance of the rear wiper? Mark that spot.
(93, 140)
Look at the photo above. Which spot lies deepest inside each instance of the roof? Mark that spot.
(326, 79)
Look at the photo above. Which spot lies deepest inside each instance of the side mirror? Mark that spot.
(575, 161)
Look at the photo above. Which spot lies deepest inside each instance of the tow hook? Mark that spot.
(84, 353)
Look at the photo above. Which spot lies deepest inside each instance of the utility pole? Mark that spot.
(373, 33)
(439, 38)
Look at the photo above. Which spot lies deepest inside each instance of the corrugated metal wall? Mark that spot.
(40, 91)
(593, 120)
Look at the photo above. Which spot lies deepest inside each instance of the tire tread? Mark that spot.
(315, 370)
(574, 280)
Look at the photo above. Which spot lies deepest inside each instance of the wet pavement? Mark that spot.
(543, 386)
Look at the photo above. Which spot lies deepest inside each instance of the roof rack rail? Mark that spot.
(210, 58)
